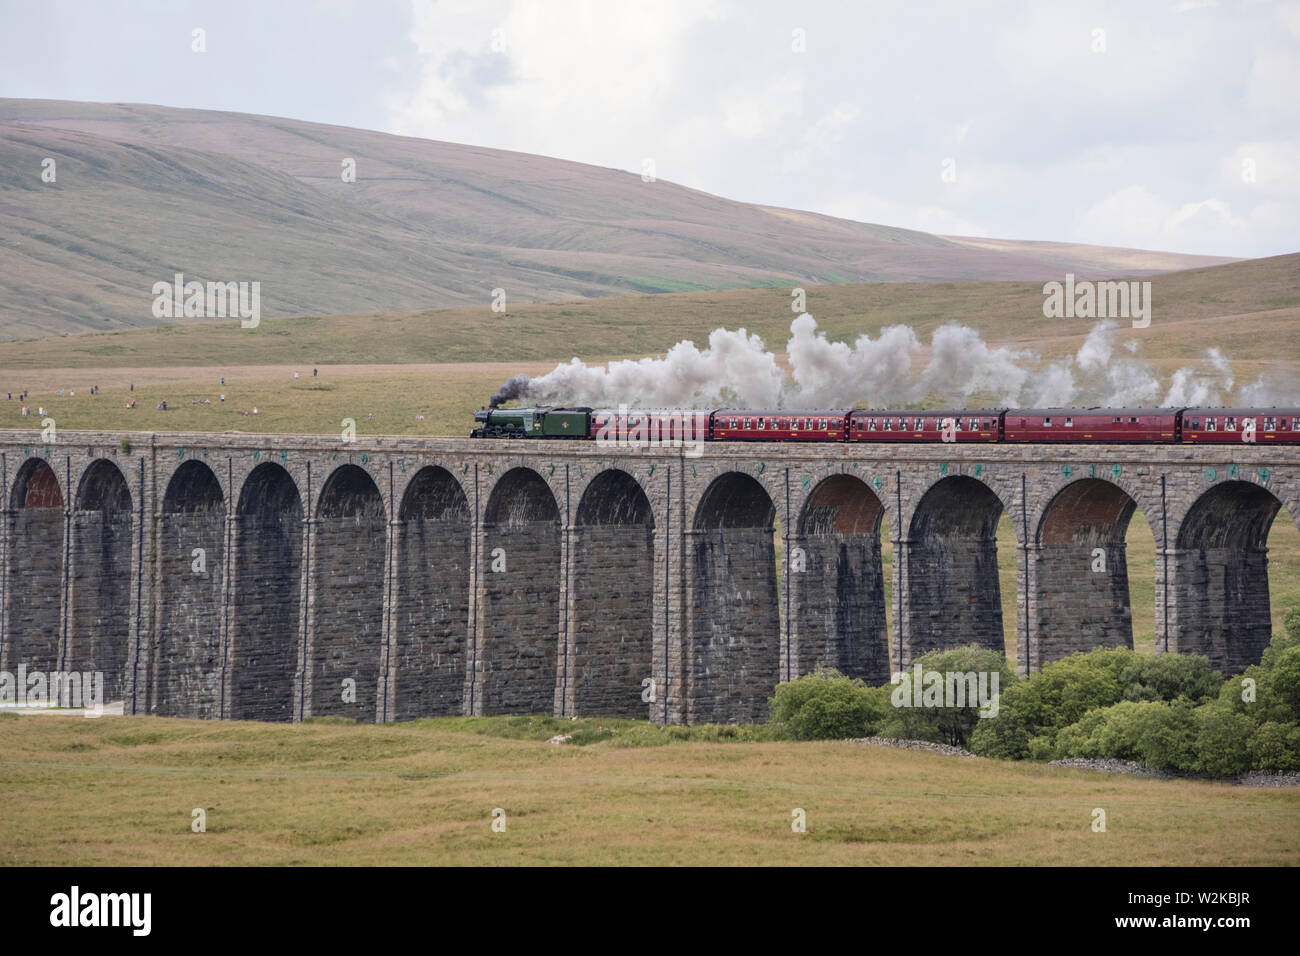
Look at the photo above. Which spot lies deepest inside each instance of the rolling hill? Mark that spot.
(144, 192)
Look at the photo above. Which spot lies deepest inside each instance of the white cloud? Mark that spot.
(1135, 216)
(1052, 140)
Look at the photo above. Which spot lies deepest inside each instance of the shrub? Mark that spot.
(1284, 683)
(1168, 677)
(1065, 691)
(946, 724)
(1222, 740)
(1275, 746)
(1006, 736)
(1158, 734)
(825, 705)
(1291, 624)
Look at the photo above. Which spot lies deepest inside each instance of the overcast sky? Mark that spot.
(1169, 125)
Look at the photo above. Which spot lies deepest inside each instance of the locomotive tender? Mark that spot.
(1160, 426)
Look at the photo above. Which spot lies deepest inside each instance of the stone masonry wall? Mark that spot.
(520, 620)
(432, 617)
(613, 637)
(189, 654)
(733, 661)
(33, 593)
(264, 629)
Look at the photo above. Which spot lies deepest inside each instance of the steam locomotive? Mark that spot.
(1161, 426)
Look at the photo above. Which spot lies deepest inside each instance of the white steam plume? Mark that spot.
(735, 369)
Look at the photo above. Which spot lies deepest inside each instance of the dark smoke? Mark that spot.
(512, 389)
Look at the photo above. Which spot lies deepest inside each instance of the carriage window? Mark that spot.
(1133, 421)
(1069, 423)
(956, 424)
(1270, 424)
(1282, 424)
(1211, 424)
(1196, 424)
(1230, 423)
(889, 425)
(871, 424)
(1114, 421)
(974, 424)
(1047, 422)
(798, 423)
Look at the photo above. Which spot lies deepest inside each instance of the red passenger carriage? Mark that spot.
(730, 424)
(955, 425)
(1088, 425)
(1271, 426)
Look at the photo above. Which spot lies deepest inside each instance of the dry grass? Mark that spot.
(121, 791)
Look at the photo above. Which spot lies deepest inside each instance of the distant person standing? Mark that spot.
(313, 373)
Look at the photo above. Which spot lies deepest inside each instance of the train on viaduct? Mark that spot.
(388, 578)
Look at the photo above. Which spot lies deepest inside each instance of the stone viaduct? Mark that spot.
(282, 577)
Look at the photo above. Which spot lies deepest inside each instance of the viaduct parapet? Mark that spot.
(280, 577)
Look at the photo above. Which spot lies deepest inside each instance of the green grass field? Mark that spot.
(123, 790)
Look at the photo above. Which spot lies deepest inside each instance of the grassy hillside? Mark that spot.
(142, 192)
(122, 790)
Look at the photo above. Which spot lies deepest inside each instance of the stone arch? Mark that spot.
(520, 565)
(99, 580)
(347, 565)
(34, 592)
(733, 648)
(1079, 592)
(191, 552)
(951, 593)
(1220, 601)
(267, 596)
(837, 582)
(432, 553)
(612, 644)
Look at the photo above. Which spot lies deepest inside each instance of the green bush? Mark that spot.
(1159, 734)
(1275, 747)
(946, 724)
(1066, 691)
(825, 705)
(1168, 677)
(1223, 741)
(1006, 736)
(1284, 683)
